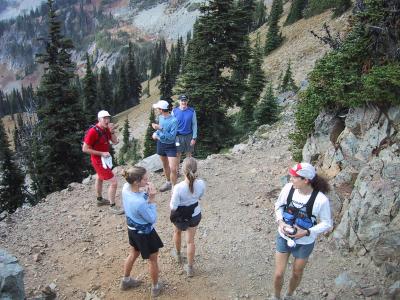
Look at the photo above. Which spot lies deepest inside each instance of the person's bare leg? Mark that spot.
(297, 273)
(177, 239)
(166, 168)
(172, 165)
(281, 260)
(98, 185)
(191, 248)
(112, 189)
(153, 268)
(178, 161)
(130, 260)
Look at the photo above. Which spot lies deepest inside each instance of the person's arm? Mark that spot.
(89, 150)
(194, 125)
(282, 199)
(202, 187)
(169, 132)
(325, 218)
(174, 198)
(113, 128)
(148, 212)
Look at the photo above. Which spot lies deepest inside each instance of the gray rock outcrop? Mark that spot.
(11, 277)
(359, 152)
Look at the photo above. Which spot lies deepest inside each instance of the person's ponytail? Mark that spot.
(189, 170)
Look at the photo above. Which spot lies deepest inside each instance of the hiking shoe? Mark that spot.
(176, 256)
(287, 297)
(116, 210)
(166, 187)
(274, 298)
(156, 290)
(101, 201)
(189, 270)
(131, 283)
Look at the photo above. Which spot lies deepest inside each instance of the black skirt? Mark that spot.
(146, 244)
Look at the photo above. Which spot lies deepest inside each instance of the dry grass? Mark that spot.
(300, 46)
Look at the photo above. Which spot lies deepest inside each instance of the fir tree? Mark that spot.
(122, 94)
(105, 91)
(341, 7)
(89, 91)
(134, 86)
(256, 84)
(296, 11)
(217, 39)
(274, 37)
(287, 83)
(12, 193)
(57, 153)
(149, 143)
(260, 15)
(129, 151)
(267, 110)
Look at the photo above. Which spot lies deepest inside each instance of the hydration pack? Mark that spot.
(296, 216)
(99, 134)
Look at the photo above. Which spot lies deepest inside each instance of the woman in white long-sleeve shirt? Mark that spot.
(186, 212)
(306, 187)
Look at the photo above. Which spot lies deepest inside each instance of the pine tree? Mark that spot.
(256, 84)
(149, 143)
(105, 91)
(57, 154)
(134, 85)
(122, 93)
(260, 15)
(89, 91)
(129, 151)
(296, 11)
(267, 110)
(288, 83)
(274, 37)
(125, 142)
(341, 7)
(217, 38)
(12, 193)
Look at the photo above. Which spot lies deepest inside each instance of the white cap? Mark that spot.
(304, 170)
(162, 104)
(102, 114)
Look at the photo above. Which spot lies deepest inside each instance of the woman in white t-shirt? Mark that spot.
(186, 212)
(300, 204)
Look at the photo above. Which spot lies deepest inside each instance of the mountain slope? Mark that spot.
(80, 247)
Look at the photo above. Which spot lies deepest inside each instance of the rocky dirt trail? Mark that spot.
(79, 249)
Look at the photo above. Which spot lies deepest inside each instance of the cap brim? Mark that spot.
(293, 173)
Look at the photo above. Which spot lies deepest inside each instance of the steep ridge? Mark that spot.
(69, 241)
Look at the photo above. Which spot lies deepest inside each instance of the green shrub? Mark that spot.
(355, 73)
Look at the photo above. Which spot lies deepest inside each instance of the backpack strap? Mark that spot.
(290, 196)
(310, 203)
(99, 135)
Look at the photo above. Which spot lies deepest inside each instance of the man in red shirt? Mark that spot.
(97, 144)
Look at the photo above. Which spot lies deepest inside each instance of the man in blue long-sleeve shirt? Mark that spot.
(165, 135)
(187, 128)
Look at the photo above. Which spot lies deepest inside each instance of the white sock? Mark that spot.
(155, 286)
(126, 279)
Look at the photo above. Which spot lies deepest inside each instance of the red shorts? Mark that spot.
(103, 174)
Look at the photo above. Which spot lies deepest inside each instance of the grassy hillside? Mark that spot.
(299, 45)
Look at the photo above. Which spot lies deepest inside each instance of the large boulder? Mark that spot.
(362, 162)
(11, 277)
(151, 163)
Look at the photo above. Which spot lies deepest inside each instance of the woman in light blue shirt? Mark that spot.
(138, 198)
(186, 212)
